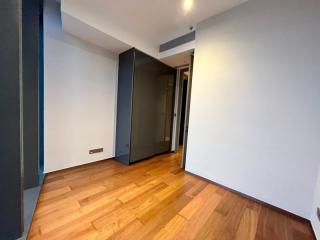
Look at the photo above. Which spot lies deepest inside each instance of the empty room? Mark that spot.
(158, 119)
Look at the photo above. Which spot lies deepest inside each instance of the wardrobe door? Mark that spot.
(124, 109)
(11, 209)
(152, 107)
(144, 111)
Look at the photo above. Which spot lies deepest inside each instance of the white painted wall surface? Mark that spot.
(316, 204)
(255, 109)
(80, 97)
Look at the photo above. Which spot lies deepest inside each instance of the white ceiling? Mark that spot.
(157, 20)
(143, 24)
(179, 59)
(84, 31)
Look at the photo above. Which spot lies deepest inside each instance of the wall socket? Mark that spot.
(98, 150)
(318, 213)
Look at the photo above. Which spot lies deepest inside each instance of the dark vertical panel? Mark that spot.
(124, 105)
(10, 140)
(144, 108)
(152, 107)
(41, 90)
(183, 109)
(30, 53)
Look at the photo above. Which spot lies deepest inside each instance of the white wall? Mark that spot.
(255, 102)
(80, 97)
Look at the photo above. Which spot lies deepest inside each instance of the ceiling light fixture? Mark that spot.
(187, 5)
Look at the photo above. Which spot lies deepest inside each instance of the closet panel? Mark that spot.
(149, 130)
(11, 203)
(124, 109)
(144, 111)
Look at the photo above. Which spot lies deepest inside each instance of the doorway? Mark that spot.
(181, 110)
(183, 107)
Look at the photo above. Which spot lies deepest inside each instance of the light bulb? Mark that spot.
(187, 5)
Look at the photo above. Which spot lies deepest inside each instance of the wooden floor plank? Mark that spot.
(153, 199)
(171, 229)
(248, 225)
(198, 202)
(195, 224)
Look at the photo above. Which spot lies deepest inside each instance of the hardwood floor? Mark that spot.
(153, 199)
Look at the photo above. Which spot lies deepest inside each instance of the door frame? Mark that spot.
(186, 120)
(177, 111)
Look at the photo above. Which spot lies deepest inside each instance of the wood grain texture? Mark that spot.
(153, 199)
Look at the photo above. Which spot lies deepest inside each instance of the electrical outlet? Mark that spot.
(98, 150)
(318, 213)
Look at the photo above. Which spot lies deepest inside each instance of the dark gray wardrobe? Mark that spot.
(19, 98)
(145, 107)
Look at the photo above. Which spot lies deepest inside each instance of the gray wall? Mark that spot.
(254, 120)
(10, 144)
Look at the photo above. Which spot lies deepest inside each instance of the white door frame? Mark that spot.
(177, 109)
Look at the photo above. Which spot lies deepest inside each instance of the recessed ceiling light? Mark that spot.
(187, 5)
